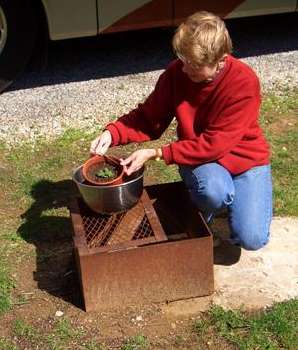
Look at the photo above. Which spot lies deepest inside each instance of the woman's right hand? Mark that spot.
(101, 144)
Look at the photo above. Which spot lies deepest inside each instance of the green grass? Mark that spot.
(138, 342)
(285, 169)
(276, 328)
(6, 286)
(11, 236)
(281, 104)
(24, 330)
(62, 335)
(31, 164)
(7, 345)
(273, 329)
(280, 124)
(93, 345)
(64, 330)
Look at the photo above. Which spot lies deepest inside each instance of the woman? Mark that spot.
(221, 152)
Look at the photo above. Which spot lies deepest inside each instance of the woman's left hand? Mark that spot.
(137, 159)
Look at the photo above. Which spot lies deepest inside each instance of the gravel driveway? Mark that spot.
(90, 81)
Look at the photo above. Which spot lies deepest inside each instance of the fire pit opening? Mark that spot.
(176, 213)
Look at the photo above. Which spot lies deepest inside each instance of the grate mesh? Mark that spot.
(144, 230)
(103, 230)
(99, 228)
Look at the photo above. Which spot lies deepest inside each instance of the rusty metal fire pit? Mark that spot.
(160, 250)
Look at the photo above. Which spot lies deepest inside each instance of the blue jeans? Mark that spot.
(247, 196)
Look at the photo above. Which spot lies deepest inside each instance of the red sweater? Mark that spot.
(217, 121)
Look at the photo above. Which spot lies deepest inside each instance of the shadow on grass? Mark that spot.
(48, 228)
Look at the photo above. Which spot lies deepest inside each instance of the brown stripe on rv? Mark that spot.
(186, 7)
(158, 13)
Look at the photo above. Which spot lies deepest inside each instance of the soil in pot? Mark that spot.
(103, 171)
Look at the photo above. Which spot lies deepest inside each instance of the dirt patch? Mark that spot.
(282, 124)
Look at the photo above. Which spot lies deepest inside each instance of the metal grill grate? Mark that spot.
(137, 225)
(144, 230)
(98, 229)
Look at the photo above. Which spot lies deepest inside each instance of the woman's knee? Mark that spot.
(210, 185)
(211, 193)
(253, 245)
(250, 239)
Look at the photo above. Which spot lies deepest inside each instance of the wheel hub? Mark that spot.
(3, 30)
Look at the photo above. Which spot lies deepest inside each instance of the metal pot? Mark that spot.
(111, 198)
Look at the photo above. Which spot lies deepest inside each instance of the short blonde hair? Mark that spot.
(203, 39)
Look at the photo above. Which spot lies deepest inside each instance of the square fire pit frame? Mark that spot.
(167, 267)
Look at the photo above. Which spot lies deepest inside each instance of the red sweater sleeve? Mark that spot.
(221, 135)
(150, 119)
